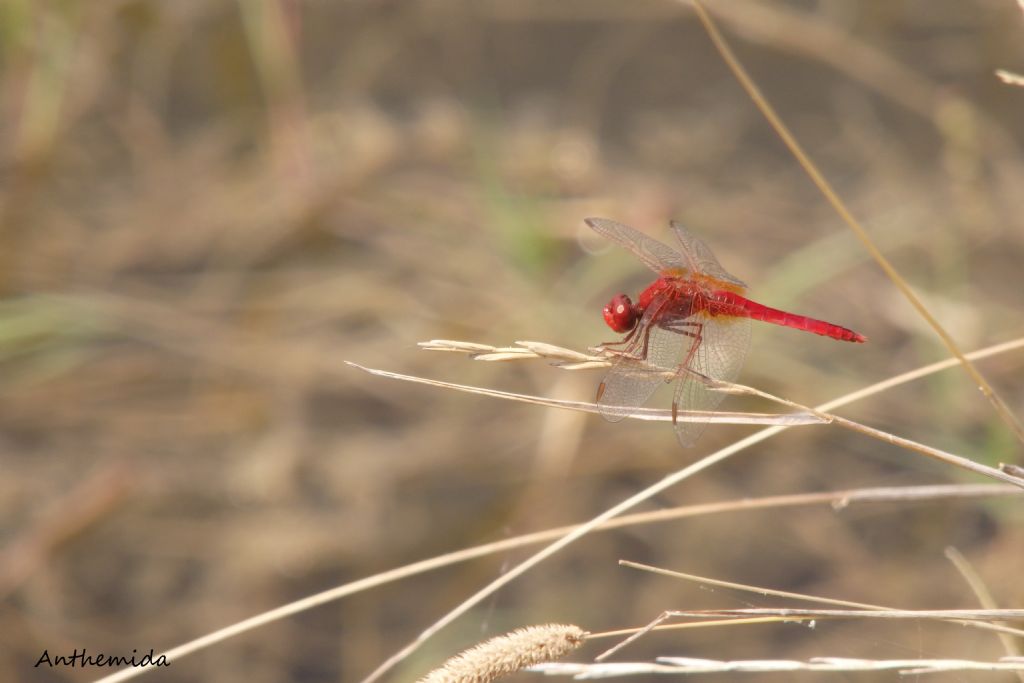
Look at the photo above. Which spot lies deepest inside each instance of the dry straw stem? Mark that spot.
(568, 359)
(790, 614)
(937, 454)
(507, 654)
(658, 623)
(837, 499)
(840, 207)
(806, 35)
(1010, 78)
(689, 665)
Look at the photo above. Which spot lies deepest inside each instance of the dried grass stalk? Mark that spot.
(562, 357)
(1009, 77)
(690, 665)
(509, 653)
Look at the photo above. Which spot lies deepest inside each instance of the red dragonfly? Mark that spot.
(692, 324)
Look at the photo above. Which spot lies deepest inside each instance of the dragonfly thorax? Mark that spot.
(621, 314)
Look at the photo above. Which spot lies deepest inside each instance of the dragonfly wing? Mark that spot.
(655, 255)
(638, 372)
(625, 388)
(699, 258)
(723, 346)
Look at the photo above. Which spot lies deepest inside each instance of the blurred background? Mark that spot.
(206, 207)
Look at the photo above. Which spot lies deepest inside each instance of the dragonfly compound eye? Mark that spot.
(619, 314)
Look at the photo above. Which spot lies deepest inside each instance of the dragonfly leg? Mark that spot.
(697, 335)
(646, 334)
(696, 332)
(622, 342)
(688, 328)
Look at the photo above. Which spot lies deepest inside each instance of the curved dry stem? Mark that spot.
(689, 665)
(658, 623)
(887, 437)
(788, 614)
(840, 207)
(804, 415)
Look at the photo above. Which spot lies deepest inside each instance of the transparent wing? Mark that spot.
(723, 346)
(654, 254)
(699, 258)
(634, 377)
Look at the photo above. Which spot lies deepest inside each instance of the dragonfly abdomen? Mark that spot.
(757, 311)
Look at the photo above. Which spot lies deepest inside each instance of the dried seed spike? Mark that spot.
(504, 354)
(458, 346)
(509, 653)
(552, 351)
(586, 365)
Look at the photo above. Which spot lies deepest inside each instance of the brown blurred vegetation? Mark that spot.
(206, 207)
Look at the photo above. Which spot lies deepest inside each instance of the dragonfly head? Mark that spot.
(620, 314)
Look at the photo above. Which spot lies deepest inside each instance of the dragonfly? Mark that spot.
(690, 326)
